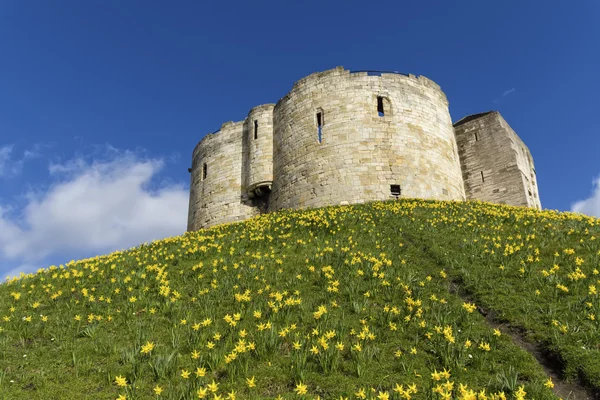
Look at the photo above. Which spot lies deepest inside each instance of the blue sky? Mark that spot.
(102, 102)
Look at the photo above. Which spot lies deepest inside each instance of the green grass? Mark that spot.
(341, 300)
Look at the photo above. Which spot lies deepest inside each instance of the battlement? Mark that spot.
(349, 136)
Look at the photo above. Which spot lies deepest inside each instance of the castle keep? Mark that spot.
(343, 137)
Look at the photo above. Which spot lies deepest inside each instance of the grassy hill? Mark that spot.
(407, 299)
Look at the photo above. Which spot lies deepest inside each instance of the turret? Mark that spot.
(258, 149)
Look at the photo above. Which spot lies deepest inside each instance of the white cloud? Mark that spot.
(591, 205)
(93, 207)
(509, 91)
(504, 94)
(5, 156)
(11, 166)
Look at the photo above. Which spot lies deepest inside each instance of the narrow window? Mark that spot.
(204, 171)
(255, 129)
(320, 127)
(476, 138)
(380, 106)
(482, 178)
(395, 190)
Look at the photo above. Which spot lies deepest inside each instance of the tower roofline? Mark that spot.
(472, 117)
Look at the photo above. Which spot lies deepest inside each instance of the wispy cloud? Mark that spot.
(591, 205)
(11, 164)
(504, 94)
(509, 91)
(5, 158)
(91, 207)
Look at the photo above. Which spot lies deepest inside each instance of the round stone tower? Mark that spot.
(258, 148)
(216, 194)
(342, 137)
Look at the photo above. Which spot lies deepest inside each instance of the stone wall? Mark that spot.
(342, 137)
(497, 166)
(362, 153)
(218, 197)
(258, 148)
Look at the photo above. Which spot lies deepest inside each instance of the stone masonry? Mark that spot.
(344, 137)
(496, 164)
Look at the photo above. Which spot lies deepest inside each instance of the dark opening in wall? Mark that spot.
(482, 178)
(320, 126)
(380, 111)
(395, 190)
(204, 171)
(255, 129)
(476, 138)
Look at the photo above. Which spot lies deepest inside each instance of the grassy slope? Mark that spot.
(385, 273)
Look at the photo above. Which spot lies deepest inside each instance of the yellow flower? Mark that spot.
(549, 384)
(121, 381)
(158, 390)
(122, 397)
(497, 332)
(469, 307)
(383, 396)
(185, 374)
(520, 394)
(213, 386)
(300, 388)
(361, 394)
(202, 392)
(200, 372)
(147, 348)
(250, 382)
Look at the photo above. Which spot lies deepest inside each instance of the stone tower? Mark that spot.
(342, 137)
(496, 164)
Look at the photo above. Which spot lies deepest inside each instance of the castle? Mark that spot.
(343, 137)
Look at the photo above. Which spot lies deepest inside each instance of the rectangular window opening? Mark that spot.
(255, 129)
(204, 171)
(482, 177)
(476, 138)
(395, 190)
(380, 111)
(320, 127)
